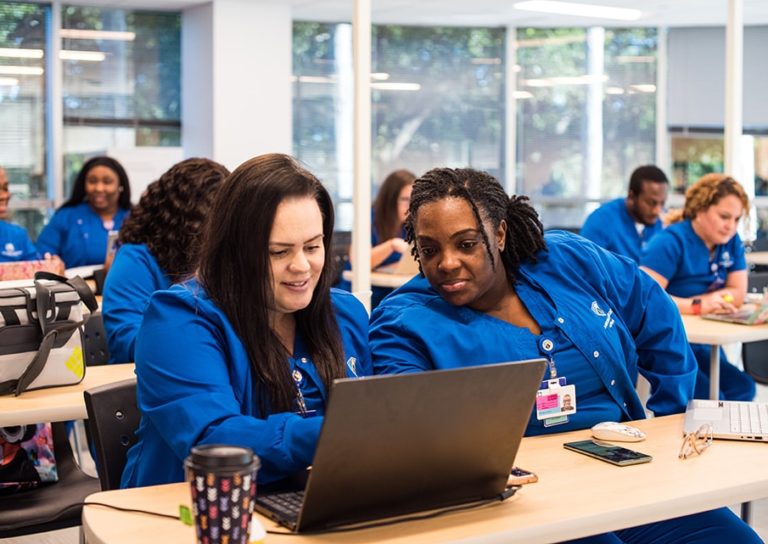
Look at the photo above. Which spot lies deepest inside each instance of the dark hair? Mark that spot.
(78, 189)
(169, 217)
(486, 196)
(648, 172)
(386, 222)
(236, 273)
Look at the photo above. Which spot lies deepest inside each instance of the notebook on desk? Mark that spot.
(397, 444)
(749, 314)
(730, 419)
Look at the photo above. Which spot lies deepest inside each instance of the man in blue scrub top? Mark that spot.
(495, 289)
(625, 225)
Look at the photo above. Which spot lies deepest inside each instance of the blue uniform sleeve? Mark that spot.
(664, 356)
(594, 229)
(663, 254)
(186, 387)
(50, 239)
(132, 279)
(395, 349)
(352, 320)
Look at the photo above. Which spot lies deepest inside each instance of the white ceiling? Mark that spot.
(671, 13)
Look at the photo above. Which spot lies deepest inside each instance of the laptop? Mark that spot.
(749, 314)
(397, 444)
(730, 419)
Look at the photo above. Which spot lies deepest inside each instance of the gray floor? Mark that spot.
(71, 536)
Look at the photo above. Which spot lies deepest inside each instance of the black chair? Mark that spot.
(113, 418)
(54, 506)
(342, 240)
(95, 348)
(754, 355)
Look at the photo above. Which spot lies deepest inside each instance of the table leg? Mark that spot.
(714, 373)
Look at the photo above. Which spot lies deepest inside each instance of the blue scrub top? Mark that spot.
(15, 244)
(610, 226)
(77, 235)
(195, 386)
(684, 260)
(606, 319)
(132, 279)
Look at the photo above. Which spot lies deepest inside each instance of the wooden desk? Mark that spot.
(717, 333)
(59, 403)
(576, 496)
(383, 279)
(757, 257)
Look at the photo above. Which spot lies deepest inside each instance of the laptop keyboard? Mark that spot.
(287, 505)
(749, 418)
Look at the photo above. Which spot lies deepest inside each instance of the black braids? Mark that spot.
(525, 232)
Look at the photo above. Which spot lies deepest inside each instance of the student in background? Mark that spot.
(245, 352)
(699, 259)
(100, 201)
(159, 246)
(387, 230)
(15, 244)
(626, 225)
(497, 289)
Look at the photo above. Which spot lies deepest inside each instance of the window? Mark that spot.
(585, 115)
(438, 100)
(22, 107)
(121, 82)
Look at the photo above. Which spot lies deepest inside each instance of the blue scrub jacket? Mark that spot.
(616, 315)
(77, 235)
(132, 279)
(195, 386)
(610, 226)
(15, 244)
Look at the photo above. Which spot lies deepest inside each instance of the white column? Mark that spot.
(236, 87)
(361, 231)
(734, 67)
(663, 159)
(510, 116)
(54, 162)
(593, 165)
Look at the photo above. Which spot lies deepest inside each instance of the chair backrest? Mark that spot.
(113, 418)
(754, 357)
(756, 281)
(340, 253)
(95, 348)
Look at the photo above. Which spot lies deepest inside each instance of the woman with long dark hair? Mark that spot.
(246, 352)
(159, 245)
(100, 201)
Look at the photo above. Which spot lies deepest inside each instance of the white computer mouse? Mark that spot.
(617, 432)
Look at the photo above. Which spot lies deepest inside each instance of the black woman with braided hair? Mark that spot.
(494, 288)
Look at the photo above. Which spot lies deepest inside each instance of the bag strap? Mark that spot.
(45, 300)
(77, 283)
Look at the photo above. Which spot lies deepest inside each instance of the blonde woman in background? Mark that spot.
(699, 260)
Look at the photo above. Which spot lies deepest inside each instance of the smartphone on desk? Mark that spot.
(518, 476)
(616, 455)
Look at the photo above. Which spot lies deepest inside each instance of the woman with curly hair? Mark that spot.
(699, 260)
(159, 246)
(100, 202)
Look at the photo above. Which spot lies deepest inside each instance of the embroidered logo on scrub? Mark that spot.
(598, 311)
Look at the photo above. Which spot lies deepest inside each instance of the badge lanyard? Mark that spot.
(555, 399)
(300, 401)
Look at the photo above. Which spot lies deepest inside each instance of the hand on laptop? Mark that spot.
(718, 302)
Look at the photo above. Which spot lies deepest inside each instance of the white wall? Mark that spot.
(236, 87)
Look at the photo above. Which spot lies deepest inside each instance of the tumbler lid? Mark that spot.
(221, 456)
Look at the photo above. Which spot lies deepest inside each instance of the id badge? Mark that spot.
(555, 401)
